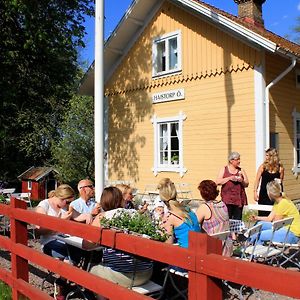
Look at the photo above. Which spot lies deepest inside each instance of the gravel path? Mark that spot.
(37, 274)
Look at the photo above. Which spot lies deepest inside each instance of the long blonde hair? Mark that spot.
(272, 163)
(168, 194)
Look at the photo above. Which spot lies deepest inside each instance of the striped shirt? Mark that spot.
(122, 262)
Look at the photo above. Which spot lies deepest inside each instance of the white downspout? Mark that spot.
(267, 101)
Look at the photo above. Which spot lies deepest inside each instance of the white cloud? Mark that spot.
(286, 16)
(298, 7)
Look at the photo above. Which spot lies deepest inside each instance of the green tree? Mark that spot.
(74, 153)
(297, 31)
(39, 43)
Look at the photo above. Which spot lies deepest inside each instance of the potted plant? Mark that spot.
(135, 223)
(175, 159)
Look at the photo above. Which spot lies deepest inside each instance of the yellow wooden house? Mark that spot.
(187, 83)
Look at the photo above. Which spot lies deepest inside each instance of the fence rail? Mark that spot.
(202, 259)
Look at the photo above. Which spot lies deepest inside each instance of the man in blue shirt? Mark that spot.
(86, 203)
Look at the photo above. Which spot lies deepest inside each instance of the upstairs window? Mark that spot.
(167, 54)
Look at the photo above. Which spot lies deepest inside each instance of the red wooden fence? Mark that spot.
(205, 266)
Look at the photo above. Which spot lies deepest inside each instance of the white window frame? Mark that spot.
(29, 185)
(166, 38)
(296, 165)
(179, 168)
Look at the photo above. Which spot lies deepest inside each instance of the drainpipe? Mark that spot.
(267, 101)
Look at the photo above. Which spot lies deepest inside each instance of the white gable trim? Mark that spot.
(231, 25)
(129, 44)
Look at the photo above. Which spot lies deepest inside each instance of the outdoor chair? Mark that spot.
(290, 255)
(270, 253)
(179, 281)
(7, 193)
(246, 252)
(24, 197)
(184, 191)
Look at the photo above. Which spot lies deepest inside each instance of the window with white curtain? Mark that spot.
(296, 117)
(29, 185)
(168, 144)
(166, 52)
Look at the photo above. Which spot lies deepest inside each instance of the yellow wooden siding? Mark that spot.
(206, 51)
(284, 97)
(211, 115)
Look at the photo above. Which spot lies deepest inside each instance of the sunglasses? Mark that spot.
(91, 186)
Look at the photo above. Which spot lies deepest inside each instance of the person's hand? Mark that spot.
(66, 216)
(255, 196)
(88, 218)
(96, 210)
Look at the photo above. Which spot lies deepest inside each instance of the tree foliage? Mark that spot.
(39, 43)
(74, 153)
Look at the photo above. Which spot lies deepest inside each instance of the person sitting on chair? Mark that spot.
(283, 208)
(118, 266)
(86, 203)
(179, 220)
(213, 214)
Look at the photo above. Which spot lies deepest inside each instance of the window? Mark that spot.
(296, 116)
(274, 140)
(168, 144)
(167, 54)
(298, 78)
(29, 185)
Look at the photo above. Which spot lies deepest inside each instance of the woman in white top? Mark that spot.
(55, 206)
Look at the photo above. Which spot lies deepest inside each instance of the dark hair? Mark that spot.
(111, 198)
(208, 190)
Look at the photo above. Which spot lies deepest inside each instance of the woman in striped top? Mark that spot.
(213, 214)
(117, 266)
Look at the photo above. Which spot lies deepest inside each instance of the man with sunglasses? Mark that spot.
(86, 202)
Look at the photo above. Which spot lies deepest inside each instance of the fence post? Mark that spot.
(18, 234)
(201, 286)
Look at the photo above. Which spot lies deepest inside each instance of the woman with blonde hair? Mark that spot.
(179, 220)
(283, 208)
(269, 170)
(126, 191)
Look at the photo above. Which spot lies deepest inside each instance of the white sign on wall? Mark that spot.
(171, 95)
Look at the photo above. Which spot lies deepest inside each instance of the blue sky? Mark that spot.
(279, 15)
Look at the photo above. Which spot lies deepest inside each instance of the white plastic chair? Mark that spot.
(24, 197)
(270, 253)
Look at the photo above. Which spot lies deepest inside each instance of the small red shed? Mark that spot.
(38, 181)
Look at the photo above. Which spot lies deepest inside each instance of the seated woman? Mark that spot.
(54, 206)
(283, 208)
(117, 266)
(213, 215)
(179, 220)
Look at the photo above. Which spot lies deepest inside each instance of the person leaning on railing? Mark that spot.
(283, 208)
(54, 206)
(118, 266)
